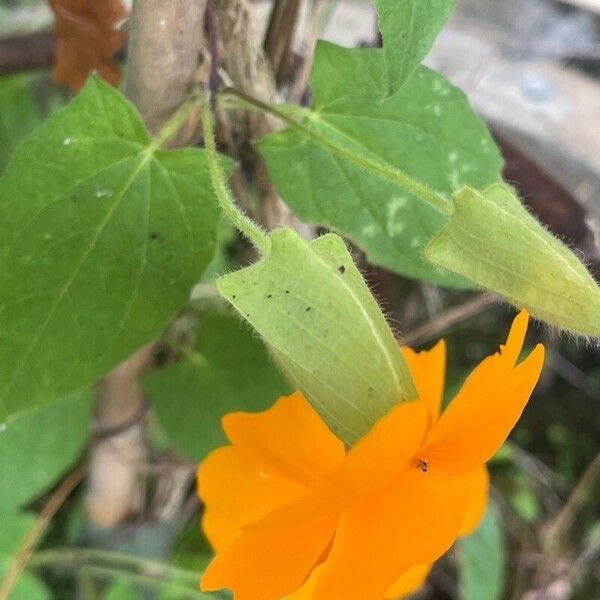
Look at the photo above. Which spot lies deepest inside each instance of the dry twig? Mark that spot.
(55, 501)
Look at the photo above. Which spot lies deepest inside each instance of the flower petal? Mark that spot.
(371, 464)
(306, 592)
(478, 483)
(409, 582)
(428, 369)
(236, 492)
(486, 409)
(267, 564)
(516, 336)
(385, 451)
(289, 438)
(413, 521)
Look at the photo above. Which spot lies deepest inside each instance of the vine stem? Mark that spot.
(246, 225)
(437, 201)
(118, 562)
(36, 531)
(175, 122)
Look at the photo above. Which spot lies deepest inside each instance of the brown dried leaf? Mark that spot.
(87, 40)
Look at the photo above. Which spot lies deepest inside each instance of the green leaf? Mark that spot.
(357, 165)
(226, 370)
(101, 238)
(122, 589)
(409, 28)
(312, 307)
(19, 114)
(481, 559)
(192, 550)
(36, 448)
(492, 240)
(14, 529)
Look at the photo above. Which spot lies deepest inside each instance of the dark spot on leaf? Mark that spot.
(155, 237)
(269, 295)
(287, 291)
(342, 269)
(308, 309)
(233, 296)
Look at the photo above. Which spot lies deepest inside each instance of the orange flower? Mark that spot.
(287, 506)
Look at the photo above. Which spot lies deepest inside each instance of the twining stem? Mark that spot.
(246, 225)
(22, 555)
(175, 122)
(559, 529)
(118, 562)
(115, 566)
(370, 165)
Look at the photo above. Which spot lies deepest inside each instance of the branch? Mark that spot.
(448, 318)
(165, 40)
(20, 53)
(279, 38)
(55, 501)
(248, 68)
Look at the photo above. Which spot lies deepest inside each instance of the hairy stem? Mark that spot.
(248, 227)
(368, 164)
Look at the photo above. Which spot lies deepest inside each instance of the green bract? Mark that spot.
(102, 236)
(312, 307)
(492, 240)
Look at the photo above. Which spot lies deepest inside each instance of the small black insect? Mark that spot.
(342, 269)
(269, 295)
(422, 464)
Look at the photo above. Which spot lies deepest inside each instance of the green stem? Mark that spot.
(75, 558)
(384, 170)
(175, 122)
(144, 581)
(246, 225)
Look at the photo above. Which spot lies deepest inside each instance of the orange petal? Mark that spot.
(487, 407)
(516, 336)
(236, 492)
(478, 483)
(307, 591)
(289, 438)
(409, 582)
(373, 462)
(428, 369)
(385, 450)
(267, 564)
(413, 521)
